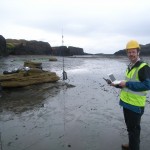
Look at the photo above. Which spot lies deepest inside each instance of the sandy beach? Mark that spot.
(81, 113)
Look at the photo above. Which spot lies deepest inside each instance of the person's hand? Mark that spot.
(112, 84)
(122, 84)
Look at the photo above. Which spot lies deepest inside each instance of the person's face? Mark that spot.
(133, 55)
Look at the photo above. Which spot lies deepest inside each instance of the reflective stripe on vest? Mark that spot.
(132, 97)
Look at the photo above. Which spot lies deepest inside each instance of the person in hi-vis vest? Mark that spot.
(133, 94)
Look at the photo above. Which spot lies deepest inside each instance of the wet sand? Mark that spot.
(59, 116)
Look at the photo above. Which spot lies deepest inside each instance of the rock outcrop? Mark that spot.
(64, 51)
(60, 51)
(23, 47)
(30, 64)
(3, 50)
(75, 50)
(29, 75)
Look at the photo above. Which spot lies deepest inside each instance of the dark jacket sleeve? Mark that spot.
(144, 77)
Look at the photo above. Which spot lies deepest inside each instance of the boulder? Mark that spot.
(52, 58)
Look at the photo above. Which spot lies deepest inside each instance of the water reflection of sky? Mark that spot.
(78, 71)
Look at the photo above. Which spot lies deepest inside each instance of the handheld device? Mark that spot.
(107, 80)
(113, 79)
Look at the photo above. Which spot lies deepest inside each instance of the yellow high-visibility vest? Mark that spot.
(132, 97)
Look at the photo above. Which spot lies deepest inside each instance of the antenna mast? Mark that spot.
(63, 49)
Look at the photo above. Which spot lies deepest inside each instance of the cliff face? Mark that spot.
(3, 50)
(75, 50)
(64, 51)
(23, 47)
(145, 51)
(60, 51)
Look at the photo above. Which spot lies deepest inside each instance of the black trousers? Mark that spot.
(132, 121)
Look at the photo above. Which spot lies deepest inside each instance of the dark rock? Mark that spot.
(75, 50)
(60, 51)
(23, 47)
(3, 50)
(64, 51)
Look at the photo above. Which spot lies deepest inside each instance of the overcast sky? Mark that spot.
(97, 26)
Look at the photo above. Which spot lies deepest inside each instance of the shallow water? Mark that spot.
(56, 117)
